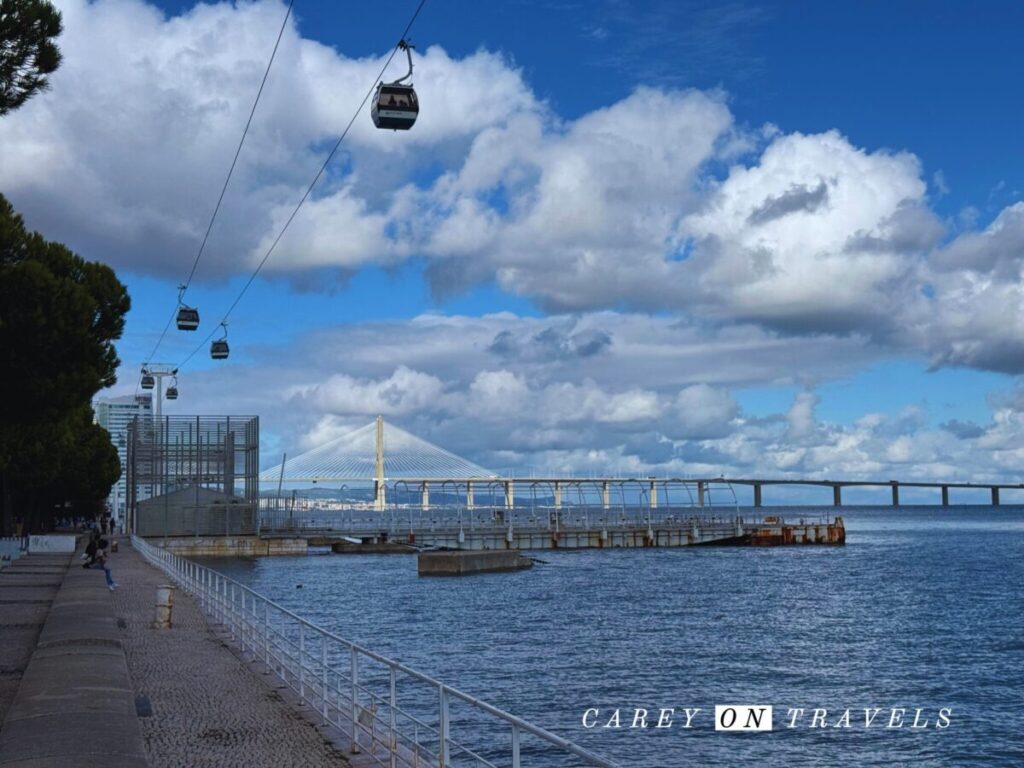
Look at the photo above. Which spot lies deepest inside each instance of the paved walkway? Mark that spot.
(74, 703)
(27, 589)
(208, 708)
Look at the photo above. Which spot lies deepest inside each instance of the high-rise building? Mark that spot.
(114, 414)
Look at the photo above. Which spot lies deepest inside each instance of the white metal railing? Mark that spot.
(357, 690)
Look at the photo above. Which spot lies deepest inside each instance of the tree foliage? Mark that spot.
(27, 51)
(59, 317)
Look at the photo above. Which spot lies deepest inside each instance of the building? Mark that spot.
(114, 414)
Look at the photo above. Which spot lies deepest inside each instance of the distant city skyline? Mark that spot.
(752, 239)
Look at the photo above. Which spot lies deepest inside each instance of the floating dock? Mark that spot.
(467, 562)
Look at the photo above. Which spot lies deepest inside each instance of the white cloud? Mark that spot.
(817, 235)
(808, 234)
(404, 391)
(145, 115)
(805, 260)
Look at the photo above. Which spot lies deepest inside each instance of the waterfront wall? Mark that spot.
(231, 546)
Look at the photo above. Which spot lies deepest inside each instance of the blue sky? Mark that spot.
(870, 326)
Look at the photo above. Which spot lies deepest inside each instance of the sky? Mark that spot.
(675, 238)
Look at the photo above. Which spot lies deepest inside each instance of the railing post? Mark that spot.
(254, 617)
(266, 633)
(393, 703)
(302, 651)
(323, 673)
(515, 746)
(355, 701)
(442, 728)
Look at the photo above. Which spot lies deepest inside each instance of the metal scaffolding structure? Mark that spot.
(193, 475)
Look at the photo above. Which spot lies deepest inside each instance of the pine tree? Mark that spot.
(27, 51)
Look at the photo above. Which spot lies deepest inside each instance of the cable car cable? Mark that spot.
(309, 189)
(231, 170)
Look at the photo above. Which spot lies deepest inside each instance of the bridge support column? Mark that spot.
(700, 493)
(837, 495)
(469, 494)
(510, 499)
(995, 496)
(425, 491)
(895, 494)
(945, 495)
(605, 495)
(654, 494)
(558, 495)
(757, 494)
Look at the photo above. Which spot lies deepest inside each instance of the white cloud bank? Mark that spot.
(756, 248)
(626, 206)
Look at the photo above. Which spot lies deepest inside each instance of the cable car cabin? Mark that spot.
(172, 393)
(188, 319)
(219, 349)
(395, 106)
(148, 382)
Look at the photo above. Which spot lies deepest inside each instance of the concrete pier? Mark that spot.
(467, 562)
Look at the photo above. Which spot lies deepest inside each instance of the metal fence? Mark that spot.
(397, 716)
(169, 517)
(175, 462)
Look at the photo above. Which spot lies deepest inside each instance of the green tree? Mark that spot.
(59, 317)
(27, 51)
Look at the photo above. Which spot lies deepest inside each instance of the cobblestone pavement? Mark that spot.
(27, 589)
(208, 707)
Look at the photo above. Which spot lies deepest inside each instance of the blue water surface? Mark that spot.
(922, 608)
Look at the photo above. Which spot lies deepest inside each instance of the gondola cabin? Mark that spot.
(219, 349)
(148, 382)
(395, 106)
(188, 319)
(172, 392)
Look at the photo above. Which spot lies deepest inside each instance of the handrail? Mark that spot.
(302, 661)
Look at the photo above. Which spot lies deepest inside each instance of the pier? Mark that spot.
(547, 528)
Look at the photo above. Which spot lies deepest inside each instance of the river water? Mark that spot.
(922, 609)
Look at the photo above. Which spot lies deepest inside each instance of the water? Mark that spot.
(923, 608)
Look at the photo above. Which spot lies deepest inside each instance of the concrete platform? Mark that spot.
(467, 562)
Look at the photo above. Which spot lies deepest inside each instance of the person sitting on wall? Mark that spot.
(98, 558)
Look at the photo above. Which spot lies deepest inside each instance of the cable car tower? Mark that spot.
(153, 375)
